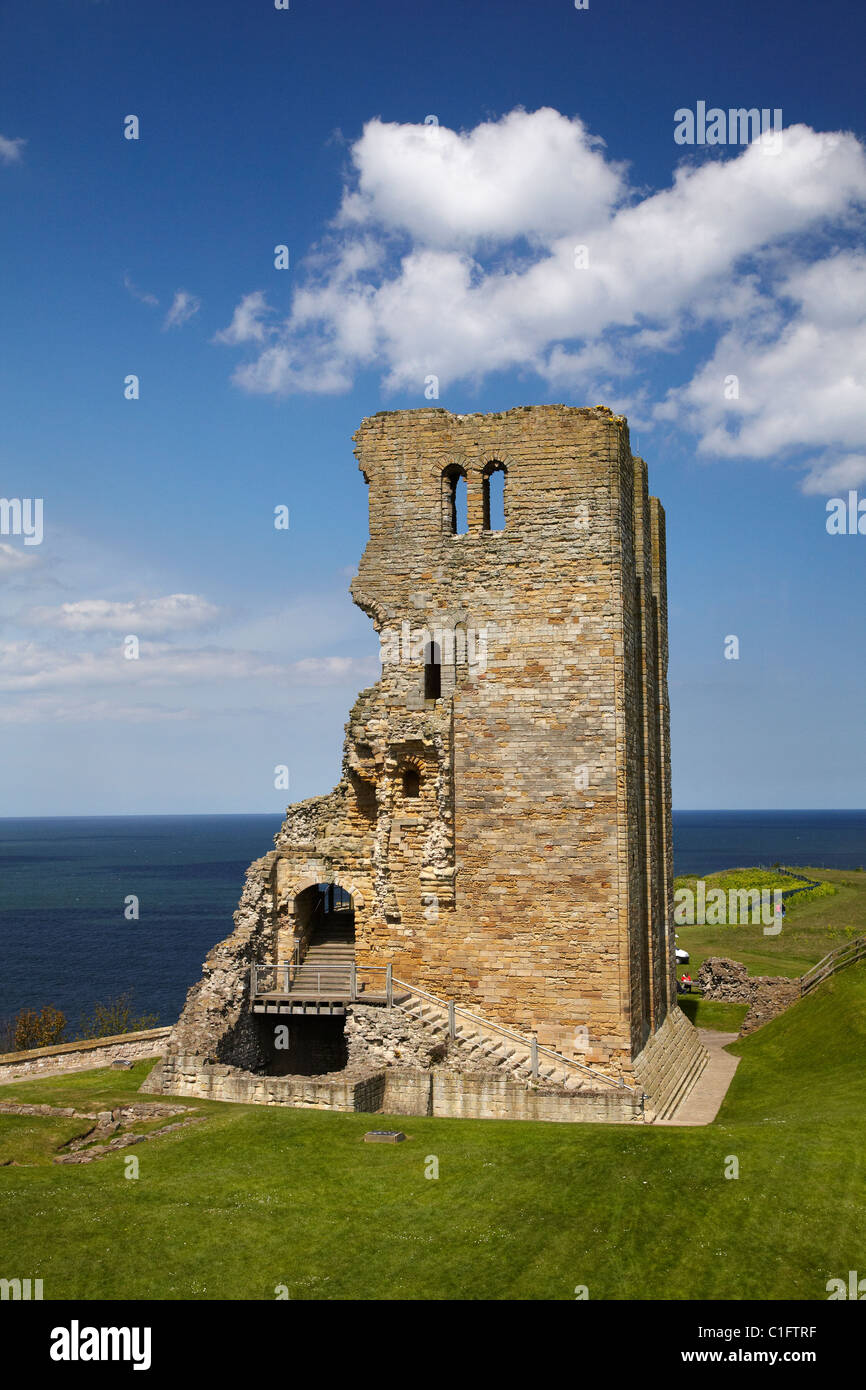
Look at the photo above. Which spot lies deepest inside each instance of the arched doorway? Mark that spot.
(316, 986)
(324, 928)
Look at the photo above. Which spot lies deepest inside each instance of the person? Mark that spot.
(687, 984)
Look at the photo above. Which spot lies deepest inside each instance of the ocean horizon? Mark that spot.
(64, 882)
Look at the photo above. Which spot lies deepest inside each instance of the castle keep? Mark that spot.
(500, 838)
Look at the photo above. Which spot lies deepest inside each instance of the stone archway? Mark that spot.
(311, 875)
(322, 917)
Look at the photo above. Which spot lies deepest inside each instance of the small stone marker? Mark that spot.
(384, 1136)
(120, 1065)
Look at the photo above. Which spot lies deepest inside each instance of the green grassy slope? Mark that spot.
(258, 1197)
(813, 925)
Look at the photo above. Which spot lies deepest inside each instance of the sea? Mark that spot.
(68, 936)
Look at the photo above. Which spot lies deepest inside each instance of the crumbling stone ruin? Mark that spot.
(767, 995)
(500, 837)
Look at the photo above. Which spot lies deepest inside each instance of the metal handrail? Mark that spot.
(341, 979)
(529, 1043)
(452, 1010)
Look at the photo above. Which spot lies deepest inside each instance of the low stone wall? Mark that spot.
(463, 1096)
(393, 1091)
(84, 1054)
(179, 1075)
(407, 1091)
(670, 1064)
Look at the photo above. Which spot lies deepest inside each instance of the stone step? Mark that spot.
(688, 1081)
(465, 1035)
(480, 1046)
(339, 957)
(674, 1065)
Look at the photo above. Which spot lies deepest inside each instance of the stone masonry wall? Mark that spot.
(83, 1054)
(507, 844)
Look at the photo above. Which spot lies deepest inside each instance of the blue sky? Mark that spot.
(415, 248)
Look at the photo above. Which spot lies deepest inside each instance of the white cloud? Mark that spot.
(536, 175)
(453, 253)
(173, 613)
(142, 295)
(10, 150)
(801, 380)
(14, 560)
(26, 666)
(183, 307)
(422, 277)
(834, 476)
(247, 324)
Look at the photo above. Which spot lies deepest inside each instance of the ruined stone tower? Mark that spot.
(502, 827)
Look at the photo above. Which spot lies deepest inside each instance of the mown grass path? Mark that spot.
(812, 925)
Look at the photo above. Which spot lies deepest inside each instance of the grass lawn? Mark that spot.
(813, 925)
(261, 1196)
(713, 1013)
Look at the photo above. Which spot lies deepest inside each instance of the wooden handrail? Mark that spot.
(834, 960)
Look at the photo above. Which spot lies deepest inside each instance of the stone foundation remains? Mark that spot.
(767, 995)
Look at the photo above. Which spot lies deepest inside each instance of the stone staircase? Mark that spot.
(332, 945)
(482, 1046)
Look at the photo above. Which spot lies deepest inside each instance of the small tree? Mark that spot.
(32, 1029)
(115, 1016)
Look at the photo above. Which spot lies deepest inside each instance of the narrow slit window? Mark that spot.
(494, 497)
(411, 782)
(432, 672)
(456, 520)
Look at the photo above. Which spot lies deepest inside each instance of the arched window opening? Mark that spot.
(411, 782)
(455, 514)
(494, 497)
(432, 671)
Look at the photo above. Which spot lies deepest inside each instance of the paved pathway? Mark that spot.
(701, 1105)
